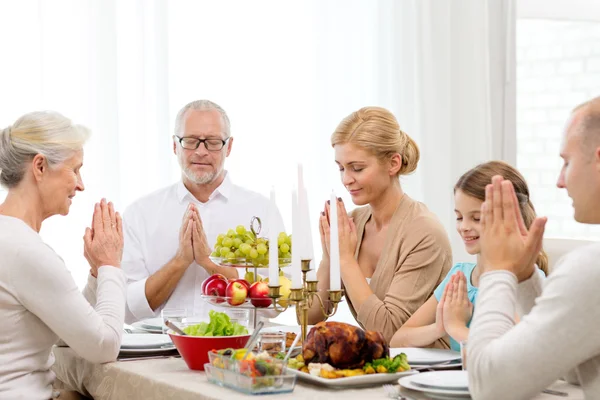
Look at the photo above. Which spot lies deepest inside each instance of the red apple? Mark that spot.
(210, 278)
(236, 293)
(216, 287)
(242, 281)
(259, 295)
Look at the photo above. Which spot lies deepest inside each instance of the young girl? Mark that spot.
(448, 312)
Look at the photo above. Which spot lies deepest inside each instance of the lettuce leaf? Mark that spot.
(219, 325)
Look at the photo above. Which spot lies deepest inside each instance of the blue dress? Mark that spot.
(467, 269)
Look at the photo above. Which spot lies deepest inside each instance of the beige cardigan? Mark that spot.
(415, 259)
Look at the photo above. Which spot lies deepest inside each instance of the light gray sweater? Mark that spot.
(558, 337)
(40, 303)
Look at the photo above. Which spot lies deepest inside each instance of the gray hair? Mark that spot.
(201, 105)
(41, 132)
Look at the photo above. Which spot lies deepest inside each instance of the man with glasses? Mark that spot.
(169, 233)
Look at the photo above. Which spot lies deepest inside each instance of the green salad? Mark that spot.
(219, 325)
(387, 364)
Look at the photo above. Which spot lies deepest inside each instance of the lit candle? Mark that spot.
(273, 248)
(296, 269)
(334, 246)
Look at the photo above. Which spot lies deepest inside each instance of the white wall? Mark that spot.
(558, 67)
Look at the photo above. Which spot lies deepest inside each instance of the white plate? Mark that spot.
(451, 380)
(139, 327)
(352, 381)
(450, 365)
(144, 341)
(154, 323)
(417, 356)
(406, 382)
(149, 325)
(165, 349)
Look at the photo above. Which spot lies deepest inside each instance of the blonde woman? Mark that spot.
(41, 156)
(393, 250)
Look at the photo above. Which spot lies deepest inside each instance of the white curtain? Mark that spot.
(103, 64)
(286, 72)
(458, 92)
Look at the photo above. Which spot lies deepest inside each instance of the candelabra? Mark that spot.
(303, 298)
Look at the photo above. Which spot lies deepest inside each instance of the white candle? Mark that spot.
(334, 246)
(300, 177)
(300, 239)
(305, 241)
(273, 248)
(296, 269)
(308, 245)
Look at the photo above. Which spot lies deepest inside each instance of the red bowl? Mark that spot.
(194, 349)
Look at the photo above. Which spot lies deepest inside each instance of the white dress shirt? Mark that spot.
(152, 227)
(40, 303)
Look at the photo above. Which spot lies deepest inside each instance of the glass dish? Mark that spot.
(255, 365)
(219, 360)
(272, 342)
(225, 302)
(245, 384)
(243, 262)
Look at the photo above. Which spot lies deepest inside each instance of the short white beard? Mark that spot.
(203, 179)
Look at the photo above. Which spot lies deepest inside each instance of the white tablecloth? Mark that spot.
(170, 378)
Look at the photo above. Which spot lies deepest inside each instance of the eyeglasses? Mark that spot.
(192, 143)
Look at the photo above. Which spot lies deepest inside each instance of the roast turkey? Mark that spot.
(343, 345)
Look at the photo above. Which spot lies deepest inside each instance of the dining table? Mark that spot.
(170, 378)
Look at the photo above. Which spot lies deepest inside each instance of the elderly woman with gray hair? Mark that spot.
(41, 155)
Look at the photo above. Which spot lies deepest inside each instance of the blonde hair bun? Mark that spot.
(377, 130)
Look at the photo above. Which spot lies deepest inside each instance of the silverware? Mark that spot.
(555, 392)
(250, 343)
(175, 328)
(393, 393)
(289, 353)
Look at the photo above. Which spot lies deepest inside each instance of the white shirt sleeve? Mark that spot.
(508, 361)
(134, 266)
(527, 292)
(89, 291)
(46, 288)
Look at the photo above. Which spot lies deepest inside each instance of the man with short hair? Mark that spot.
(558, 337)
(169, 233)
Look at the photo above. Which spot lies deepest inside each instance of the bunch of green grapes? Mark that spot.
(243, 244)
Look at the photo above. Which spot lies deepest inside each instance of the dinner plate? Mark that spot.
(144, 341)
(449, 365)
(351, 381)
(407, 383)
(165, 349)
(151, 325)
(451, 380)
(422, 357)
(154, 323)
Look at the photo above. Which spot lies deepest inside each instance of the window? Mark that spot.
(558, 67)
